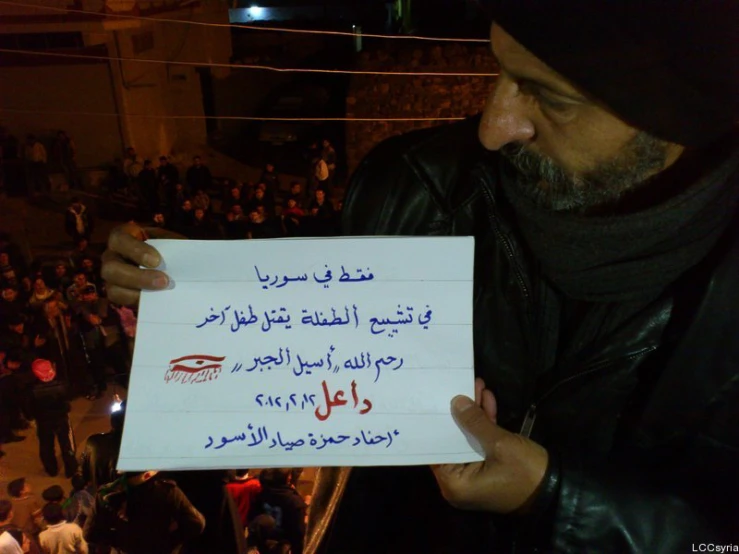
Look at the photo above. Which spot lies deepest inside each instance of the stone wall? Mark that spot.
(390, 96)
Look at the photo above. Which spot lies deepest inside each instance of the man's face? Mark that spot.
(60, 270)
(39, 286)
(573, 153)
(80, 280)
(235, 193)
(88, 265)
(52, 309)
(270, 168)
(9, 295)
(295, 189)
(259, 194)
(187, 206)
(199, 214)
(159, 218)
(320, 196)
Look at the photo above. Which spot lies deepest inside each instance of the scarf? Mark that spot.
(632, 257)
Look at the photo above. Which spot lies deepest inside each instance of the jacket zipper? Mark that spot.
(505, 242)
(530, 418)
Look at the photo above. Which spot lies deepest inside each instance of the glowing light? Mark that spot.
(256, 12)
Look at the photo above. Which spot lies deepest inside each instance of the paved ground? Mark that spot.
(22, 458)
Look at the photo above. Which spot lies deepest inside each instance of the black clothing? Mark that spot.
(149, 188)
(50, 408)
(635, 402)
(198, 178)
(288, 508)
(152, 510)
(100, 457)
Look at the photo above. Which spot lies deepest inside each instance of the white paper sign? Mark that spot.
(305, 352)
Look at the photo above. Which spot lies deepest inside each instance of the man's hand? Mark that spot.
(126, 251)
(514, 467)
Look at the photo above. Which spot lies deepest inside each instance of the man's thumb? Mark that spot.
(473, 420)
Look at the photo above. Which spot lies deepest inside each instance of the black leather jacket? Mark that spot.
(641, 426)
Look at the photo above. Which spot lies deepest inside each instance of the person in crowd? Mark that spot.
(79, 284)
(89, 265)
(77, 220)
(198, 176)
(55, 495)
(61, 280)
(159, 221)
(260, 200)
(61, 537)
(297, 193)
(128, 318)
(321, 174)
(80, 501)
(50, 408)
(12, 539)
(151, 514)
(328, 153)
(26, 506)
(168, 176)
(323, 217)
(279, 500)
(604, 204)
(182, 218)
(148, 186)
(132, 165)
(9, 274)
(51, 340)
(65, 157)
(41, 293)
(201, 200)
(291, 216)
(15, 335)
(15, 383)
(99, 326)
(271, 180)
(234, 199)
(261, 225)
(36, 167)
(100, 454)
(202, 227)
(81, 251)
(244, 489)
(237, 224)
(11, 302)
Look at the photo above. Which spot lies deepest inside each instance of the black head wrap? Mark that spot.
(668, 67)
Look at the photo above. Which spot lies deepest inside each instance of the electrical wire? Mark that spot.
(230, 117)
(244, 26)
(243, 66)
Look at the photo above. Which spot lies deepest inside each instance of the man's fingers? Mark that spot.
(489, 405)
(126, 241)
(119, 273)
(124, 297)
(475, 421)
(479, 387)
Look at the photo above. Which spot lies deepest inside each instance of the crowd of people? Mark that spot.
(61, 338)
(153, 512)
(267, 208)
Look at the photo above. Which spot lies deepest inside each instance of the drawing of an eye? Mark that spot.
(195, 368)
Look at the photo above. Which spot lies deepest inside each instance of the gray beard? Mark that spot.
(549, 186)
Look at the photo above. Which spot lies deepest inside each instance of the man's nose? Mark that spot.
(505, 119)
